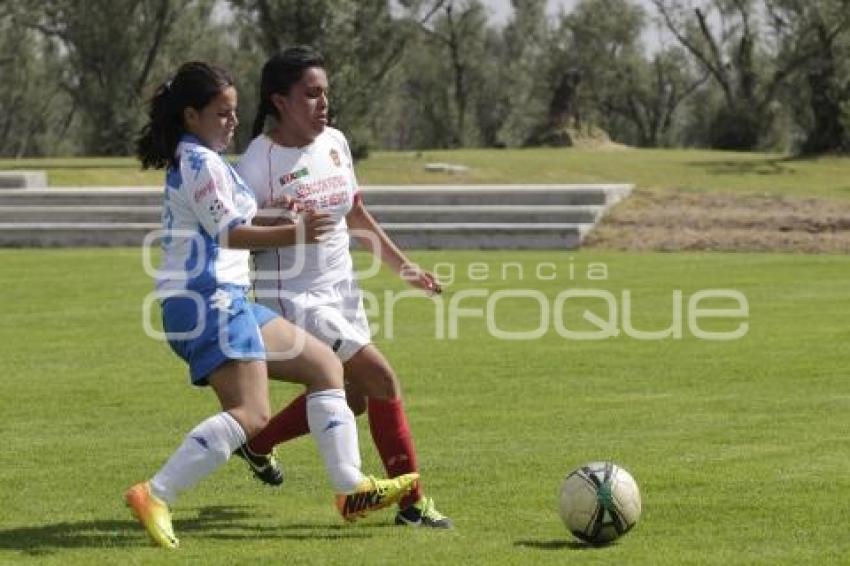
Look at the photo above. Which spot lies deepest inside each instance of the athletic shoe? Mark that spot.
(265, 466)
(152, 513)
(423, 514)
(374, 494)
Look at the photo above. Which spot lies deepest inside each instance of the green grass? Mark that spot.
(740, 447)
(692, 170)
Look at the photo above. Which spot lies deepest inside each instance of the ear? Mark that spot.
(280, 103)
(190, 117)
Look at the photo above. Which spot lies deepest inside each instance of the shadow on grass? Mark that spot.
(775, 166)
(218, 522)
(558, 545)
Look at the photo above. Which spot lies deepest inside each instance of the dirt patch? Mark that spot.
(677, 221)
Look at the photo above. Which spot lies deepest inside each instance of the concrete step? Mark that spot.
(473, 195)
(513, 214)
(493, 194)
(413, 235)
(113, 196)
(384, 213)
(72, 234)
(488, 236)
(483, 217)
(83, 214)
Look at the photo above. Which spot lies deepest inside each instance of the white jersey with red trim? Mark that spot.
(204, 198)
(318, 176)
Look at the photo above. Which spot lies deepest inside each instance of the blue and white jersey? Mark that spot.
(204, 198)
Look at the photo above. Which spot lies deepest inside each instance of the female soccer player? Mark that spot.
(303, 161)
(207, 232)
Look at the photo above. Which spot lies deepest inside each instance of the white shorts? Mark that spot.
(333, 314)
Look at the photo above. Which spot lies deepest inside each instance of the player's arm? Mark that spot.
(371, 236)
(308, 228)
(210, 190)
(280, 211)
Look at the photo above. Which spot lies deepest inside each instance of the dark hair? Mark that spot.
(194, 85)
(280, 72)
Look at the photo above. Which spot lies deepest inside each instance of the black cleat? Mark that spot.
(265, 466)
(423, 514)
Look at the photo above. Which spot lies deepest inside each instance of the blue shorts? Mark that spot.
(209, 329)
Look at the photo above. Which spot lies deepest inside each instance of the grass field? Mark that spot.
(740, 447)
(693, 170)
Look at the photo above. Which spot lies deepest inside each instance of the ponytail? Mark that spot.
(194, 86)
(263, 110)
(158, 139)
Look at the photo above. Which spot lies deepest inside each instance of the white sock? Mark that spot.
(332, 425)
(207, 447)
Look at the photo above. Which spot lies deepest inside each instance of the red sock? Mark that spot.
(290, 423)
(392, 437)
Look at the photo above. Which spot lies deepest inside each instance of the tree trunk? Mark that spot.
(827, 132)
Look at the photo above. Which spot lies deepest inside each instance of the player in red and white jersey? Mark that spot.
(318, 177)
(303, 164)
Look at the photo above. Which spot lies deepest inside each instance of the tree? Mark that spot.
(821, 29)
(749, 74)
(651, 93)
(459, 32)
(111, 48)
(33, 104)
(597, 48)
(523, 70)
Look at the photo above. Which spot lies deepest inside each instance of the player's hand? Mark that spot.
(316, 225)
(282, 210)
(421, 279)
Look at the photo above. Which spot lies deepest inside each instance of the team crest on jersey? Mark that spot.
(293, 175)
(335, 158)
(217, 210)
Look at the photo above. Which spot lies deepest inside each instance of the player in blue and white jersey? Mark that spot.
(230, 343)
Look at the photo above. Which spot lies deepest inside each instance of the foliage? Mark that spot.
(36, 111)
(798, 50)
(818, 28)
(415, 74)
(111, 49)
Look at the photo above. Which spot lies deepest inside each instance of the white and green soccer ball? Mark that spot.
(599, 502)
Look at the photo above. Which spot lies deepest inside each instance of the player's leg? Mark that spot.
(328, 416)
(227, 355)
(242, 389)
(370, 372)
(291, 422)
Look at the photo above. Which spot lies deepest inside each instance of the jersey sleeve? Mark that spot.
(254, 172)
(209, 187)
(358, 194)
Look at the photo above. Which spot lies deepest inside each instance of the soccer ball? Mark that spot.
(599, 502)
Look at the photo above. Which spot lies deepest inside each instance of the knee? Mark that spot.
(379, 382)
(383, 384)
(330, 374)
(356, 402)
(252, 420)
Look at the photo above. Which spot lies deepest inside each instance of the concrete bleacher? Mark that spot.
(420, 216)
(22, 179)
